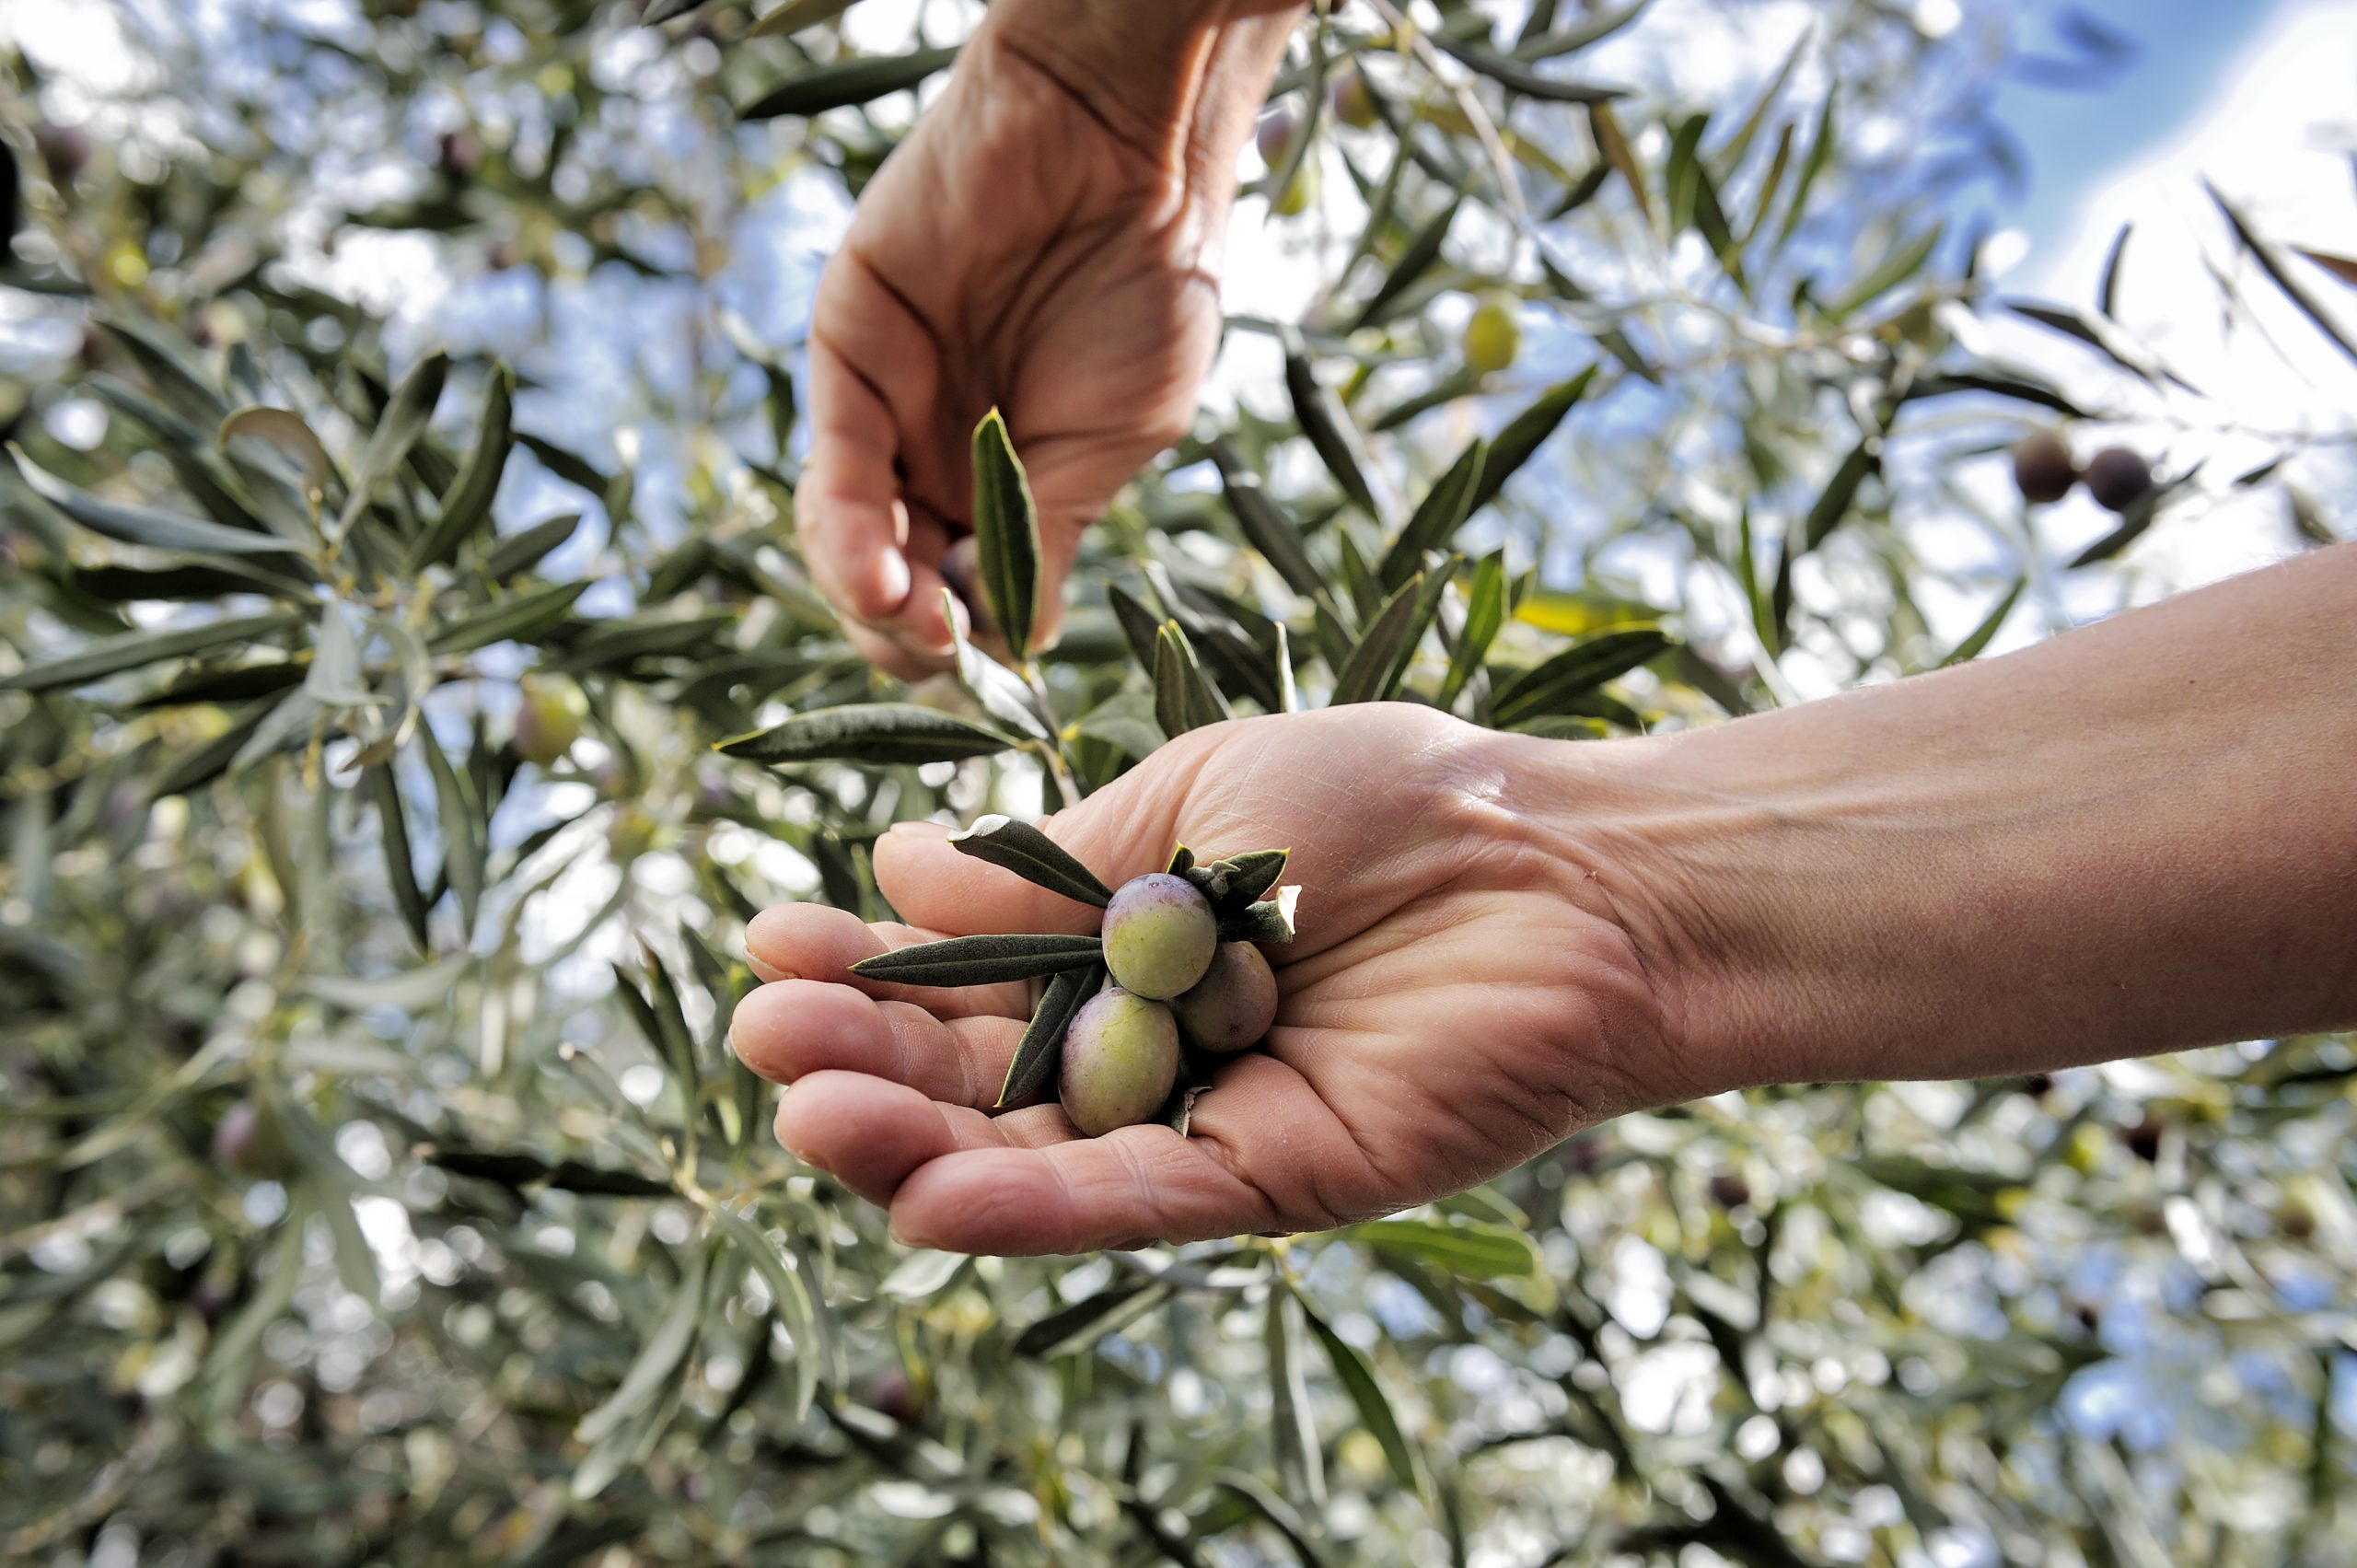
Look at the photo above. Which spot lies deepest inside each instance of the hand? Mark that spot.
(1045, 241)
(1461, 997)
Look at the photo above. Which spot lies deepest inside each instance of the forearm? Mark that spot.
(1181, 80)
(2137, 837)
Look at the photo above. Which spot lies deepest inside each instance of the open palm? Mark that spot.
(1038, 244)
(1460, 997)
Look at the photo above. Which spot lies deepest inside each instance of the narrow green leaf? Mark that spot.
(1437, 517)
(1521, 77)
(1250, 876)
(521, 552)
(1271, 920)
(1300, 1458)
(111, 655)
(1040, 1051)
(846, 83)
(795, 15)
(877, 734)
(149, 526)
(2107, 297)
(1905, 259)
(1273, 1511)
(397, 430)
(1139, 627)
(1184, 698)
(1479, 1251)
(411, 991)
(2272, 260)
(1374, 1409)
(1595, 27)
(1756, 593)
(1821, 148)
(981, 960)
(285, 432)
(922, 1274)
(1076, 1327)
(466, 505)
(520, 619)
(1266, 527)
(1970, 649)
(1032, 855)
(1485, 615)
(1007, 534)
(1331, 434)
(1576, 671)
(210, 761)
(1525, 433)
(462, 826)
(400, 867)
(173, 364)
(792, 1297)
(666, 1346)
(1367, 676)
(1413, 263)
(1833, 501)
(999, 690)
(1613, 143)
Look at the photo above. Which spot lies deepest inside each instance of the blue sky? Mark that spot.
(2183, 50)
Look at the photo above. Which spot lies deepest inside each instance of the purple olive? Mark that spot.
(2118, 478)
(1275, 136)
(2043, 468)
(1233, 1006)
(1159, 933)
(1120, 1060)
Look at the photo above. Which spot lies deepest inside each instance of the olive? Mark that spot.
(2118, 478)
(2044, 470)
(1233, 1006)
(1159, 933)
(1120, 1060)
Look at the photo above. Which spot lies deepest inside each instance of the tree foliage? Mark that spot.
(405, 709)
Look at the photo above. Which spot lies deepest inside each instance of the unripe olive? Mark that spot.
(549, 720)
(1274, 138)
(1233, 1006)
(1120, 1060)
(1351, 101)
(1159, 933)
(2043, 468)
(1729, 1189)
(2118, 478)
(1493, 339)
(890, 1393)
(1298, 193)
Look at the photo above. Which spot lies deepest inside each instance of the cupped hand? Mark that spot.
(1046, 241)
(1462, 994)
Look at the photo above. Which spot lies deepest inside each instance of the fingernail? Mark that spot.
(892, 581)
(909, 1233)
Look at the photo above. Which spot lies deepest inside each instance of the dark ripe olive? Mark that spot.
(2118, 478)
(2043, 468)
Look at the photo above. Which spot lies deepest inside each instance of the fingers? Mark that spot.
(1131, 1185)
(813, 942)
(869, 1133)
(791, 1029)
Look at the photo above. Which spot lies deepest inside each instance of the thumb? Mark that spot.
(1123, 830)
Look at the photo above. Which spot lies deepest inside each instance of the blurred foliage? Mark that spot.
(375, 1183)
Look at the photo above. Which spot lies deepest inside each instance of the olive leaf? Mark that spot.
(1485, 615)
(110, 656)
(1032, 855)
(1359, 1382)
(1265, 528)
(1040, 1051)
(520, 619)
(522, 551)
(1371, 674)
(1184, 698)
(278, 428)
(1521, 77)
(1980, 636)
(466, 505)
(878, 734)
(1413, 263)
(149, 526)
(795, 15)
(1082, 1324)
(1182, 860)
(518, 1170)
(1007, 534)
(1331, 434)
(1524, 434)
(1479, 1251)
(1292, 1431)
(1437, 517)
(1269, 920)
(999, 690)
(1833, 501)
(1251, 874)
(1578, 670)
(397, 430)
(981, 960)
(847, 83)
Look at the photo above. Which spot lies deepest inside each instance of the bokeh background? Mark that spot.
(375, 1185)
